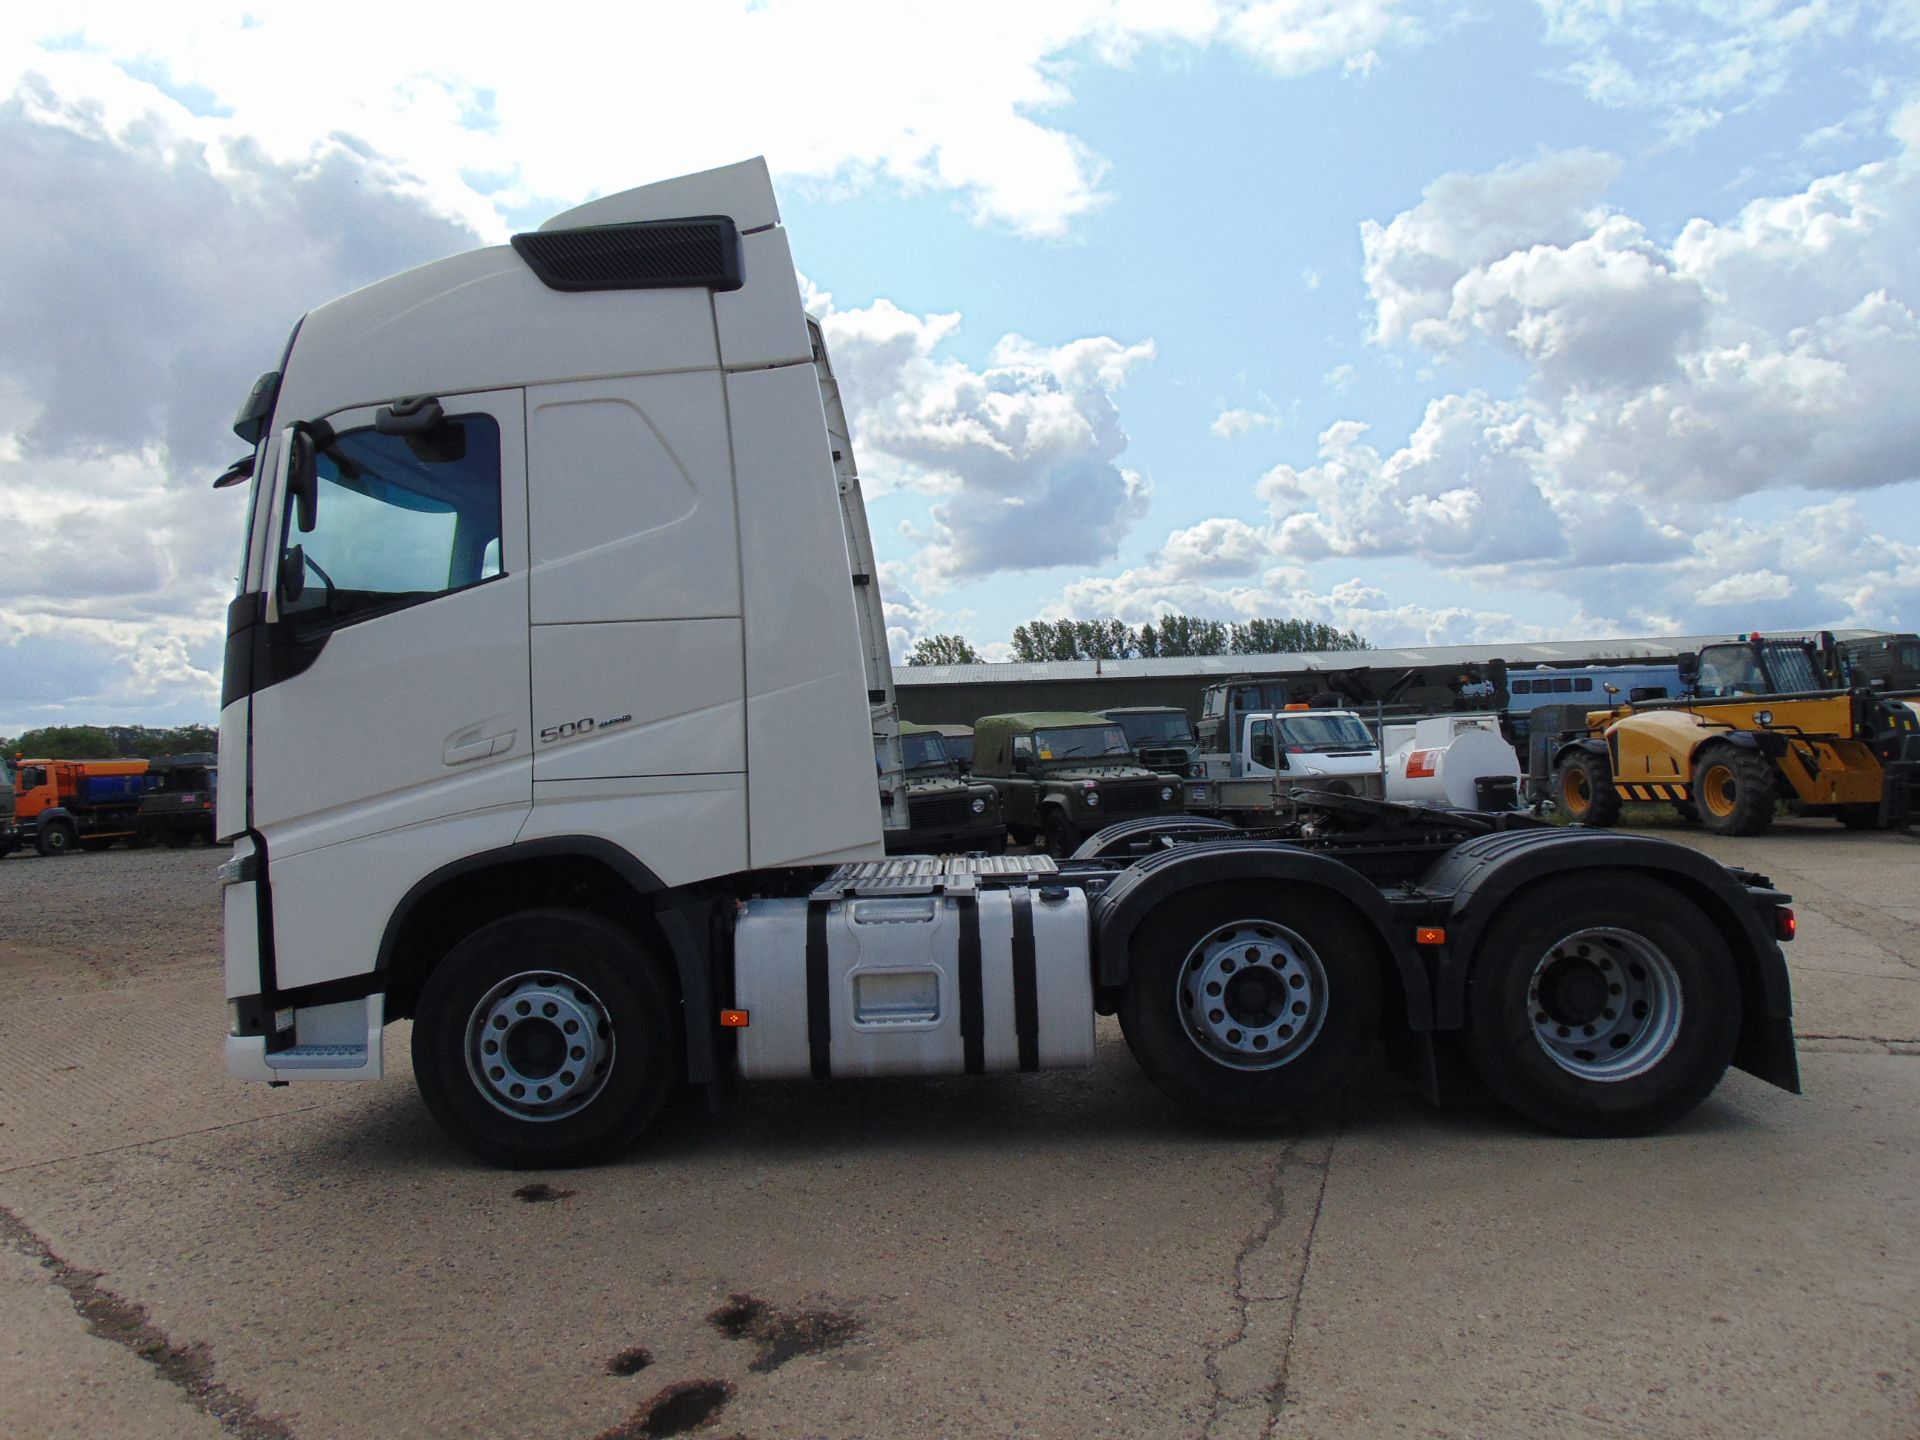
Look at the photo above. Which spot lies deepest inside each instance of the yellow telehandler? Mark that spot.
(1762, 721)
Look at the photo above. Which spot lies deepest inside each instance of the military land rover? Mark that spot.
(949, 815)
(1063, 774)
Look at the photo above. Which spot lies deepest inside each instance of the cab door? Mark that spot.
(390, 709)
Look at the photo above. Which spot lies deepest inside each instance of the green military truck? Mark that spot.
(1063, 774)
(947, 815)
(1162, 738)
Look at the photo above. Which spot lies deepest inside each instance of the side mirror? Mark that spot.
(303, 482)
(1689, 666)
(293, 574)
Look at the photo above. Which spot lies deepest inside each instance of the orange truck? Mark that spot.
(59, 804)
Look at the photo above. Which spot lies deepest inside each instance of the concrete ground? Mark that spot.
(1058, 1255)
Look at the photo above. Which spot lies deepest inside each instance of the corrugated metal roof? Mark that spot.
(1520, 653)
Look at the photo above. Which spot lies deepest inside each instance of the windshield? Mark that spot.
(1082, 742)
(924, 750)
(1324, 732)
(1792, 670)
(1167, 728)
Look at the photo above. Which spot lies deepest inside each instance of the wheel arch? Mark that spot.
(576, 872)
(1766, 1047)
(1146, 886)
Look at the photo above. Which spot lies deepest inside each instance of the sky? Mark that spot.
(1444, 323)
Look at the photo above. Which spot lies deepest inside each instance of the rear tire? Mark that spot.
(547, 1039)
(1601, 1006)
(1735, 790)
(1583, 789)
(1245, 1001)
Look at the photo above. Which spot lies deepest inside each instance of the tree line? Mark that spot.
(109, 742)
(1171, 637)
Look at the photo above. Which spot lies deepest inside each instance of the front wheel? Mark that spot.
(545, 1040)
(54, 839)
(1245, 1001)
(1061, 838)
(1604, 1006)
(1734, 790)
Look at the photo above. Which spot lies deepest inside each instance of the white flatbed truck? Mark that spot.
(550, 703)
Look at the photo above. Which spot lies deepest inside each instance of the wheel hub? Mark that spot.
(1252, 994)
(539, 1046)
(1605, 1004)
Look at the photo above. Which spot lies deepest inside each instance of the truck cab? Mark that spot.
(1063, 774)
(1162, 737)
(949, 814)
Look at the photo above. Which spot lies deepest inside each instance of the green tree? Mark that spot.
(110, 742)
(1180, 635)
(943, 650)
(1270, 636)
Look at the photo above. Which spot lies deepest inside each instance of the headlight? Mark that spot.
(1093, 797)
(1167, 793)
(979, 806)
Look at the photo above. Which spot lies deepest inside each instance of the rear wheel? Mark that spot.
(1244, 1001)
(1583, 788)
(546, 1039)
(1606, 1005)
(1734, 790)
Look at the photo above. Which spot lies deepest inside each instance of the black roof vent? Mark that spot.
(702, 251)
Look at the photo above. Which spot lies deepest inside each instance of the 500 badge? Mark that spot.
(575, 729)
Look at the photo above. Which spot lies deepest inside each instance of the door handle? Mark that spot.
(469, 745)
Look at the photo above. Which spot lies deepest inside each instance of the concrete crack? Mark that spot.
(126, 1323)
(1250, 1371)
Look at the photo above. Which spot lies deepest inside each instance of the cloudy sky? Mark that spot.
(1444, 322)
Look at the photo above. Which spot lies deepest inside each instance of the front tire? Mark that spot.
(1246, 1001)
(54, 839)
(1061, 838)
(1583, 789)
(546, 1040)
(1602, 1006)
(1734, 790)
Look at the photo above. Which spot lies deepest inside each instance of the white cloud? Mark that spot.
(1231, 424)
(490, 125)
(1464, 222)
(1023, 453)
(1693, 64)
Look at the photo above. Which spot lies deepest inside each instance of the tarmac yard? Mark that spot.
(183, 1255)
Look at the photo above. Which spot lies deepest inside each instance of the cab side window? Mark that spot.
(1260, 749)
(400, 519)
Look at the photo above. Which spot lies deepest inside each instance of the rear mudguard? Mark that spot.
(1477, 878)
(1139, 890)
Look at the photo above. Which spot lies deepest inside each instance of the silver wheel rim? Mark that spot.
(1605, 1004)
(539, 1046)
(1252, 994)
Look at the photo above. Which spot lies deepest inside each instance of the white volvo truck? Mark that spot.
(550, 701)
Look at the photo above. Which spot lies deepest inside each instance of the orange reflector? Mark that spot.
(1299, 705)
(1785, 927)
(1430, 935)
(734, 1019)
